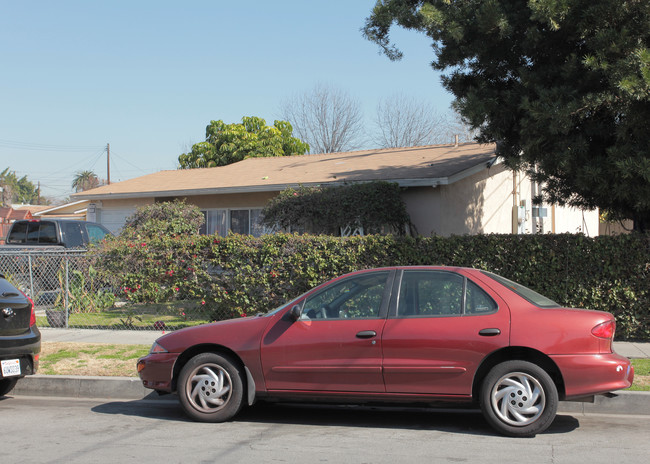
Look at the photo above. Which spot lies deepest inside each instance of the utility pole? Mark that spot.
(38, 201)
(108, 163)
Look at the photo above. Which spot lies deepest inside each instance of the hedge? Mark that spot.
(240, 275)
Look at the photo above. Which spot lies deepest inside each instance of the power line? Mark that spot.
(17, 145)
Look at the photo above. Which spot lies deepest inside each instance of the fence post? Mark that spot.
(67, 288)
(31, 276)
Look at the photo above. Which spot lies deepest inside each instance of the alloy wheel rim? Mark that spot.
(518, 399)
(209, 388)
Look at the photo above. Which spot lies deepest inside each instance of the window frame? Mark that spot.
(397, 287)
(383, 306)
(254, 229)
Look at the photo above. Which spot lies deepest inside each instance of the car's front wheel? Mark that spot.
(210, 388)
(519, 398)
(6, 385)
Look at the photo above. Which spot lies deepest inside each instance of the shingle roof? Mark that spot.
(427, 165)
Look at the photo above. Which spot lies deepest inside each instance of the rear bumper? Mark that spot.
(594, 374)
(157, 371)
(26, 347)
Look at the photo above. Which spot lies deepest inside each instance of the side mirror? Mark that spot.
(295, 313)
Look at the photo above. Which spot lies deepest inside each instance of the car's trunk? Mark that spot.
(15, 311)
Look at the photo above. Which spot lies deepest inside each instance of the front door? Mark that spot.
(336, 344)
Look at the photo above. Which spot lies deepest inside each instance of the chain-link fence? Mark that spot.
(69, 293)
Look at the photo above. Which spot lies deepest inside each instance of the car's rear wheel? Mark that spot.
(210, 388)
(6, 385)
(519, 398)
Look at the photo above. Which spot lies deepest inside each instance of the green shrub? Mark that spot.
(239, 275)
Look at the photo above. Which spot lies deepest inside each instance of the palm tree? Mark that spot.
(85, 180)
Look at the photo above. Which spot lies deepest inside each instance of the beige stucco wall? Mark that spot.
(483, 204)
(480, 203)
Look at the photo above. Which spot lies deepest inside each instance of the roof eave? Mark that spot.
(416, 182)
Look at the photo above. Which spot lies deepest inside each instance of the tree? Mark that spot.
(228, 143)
(328, 119)
(17, 190)
(85, 180)
(403, 121)
(562, 87)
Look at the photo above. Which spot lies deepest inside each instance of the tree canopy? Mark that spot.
(562, 87)
(228, 143)
(17, 190)
(85, 180)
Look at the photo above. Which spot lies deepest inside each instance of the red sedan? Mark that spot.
(403, 334)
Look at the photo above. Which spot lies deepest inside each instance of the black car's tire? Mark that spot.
(519, 398)
(210, 388)
(6, 385)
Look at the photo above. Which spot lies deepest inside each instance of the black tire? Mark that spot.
(6, 385)
(519, 399)
(210, 388)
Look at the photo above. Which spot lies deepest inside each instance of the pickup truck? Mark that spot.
(66, 233)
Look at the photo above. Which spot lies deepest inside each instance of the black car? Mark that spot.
(66, 233)
(20, 339)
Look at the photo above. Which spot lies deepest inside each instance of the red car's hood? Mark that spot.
(242, 331)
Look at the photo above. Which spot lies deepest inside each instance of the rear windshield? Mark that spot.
(524, 292)
(36, 232)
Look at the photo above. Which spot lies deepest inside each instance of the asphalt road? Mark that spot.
(64, 430)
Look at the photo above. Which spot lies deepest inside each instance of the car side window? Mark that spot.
(18, 233)
(95, 233)
(47, 233)
(357, 297)
(440, 293)
(477, 301)
(72, 234)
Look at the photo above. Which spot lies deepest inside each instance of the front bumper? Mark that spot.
(594, 374)
(156, 370)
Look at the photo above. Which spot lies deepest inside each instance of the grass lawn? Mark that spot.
(641, 375)
(65, 358)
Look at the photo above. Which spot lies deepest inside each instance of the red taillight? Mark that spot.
(32, 316)
(605, 330)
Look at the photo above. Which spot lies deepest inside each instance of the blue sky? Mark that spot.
(148, 76)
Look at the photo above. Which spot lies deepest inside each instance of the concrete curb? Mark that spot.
(81, 387)
(130, 388)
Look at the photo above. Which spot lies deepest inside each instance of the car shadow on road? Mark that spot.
(461, 421)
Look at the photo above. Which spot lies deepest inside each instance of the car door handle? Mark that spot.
(489, 332)
(366, 334)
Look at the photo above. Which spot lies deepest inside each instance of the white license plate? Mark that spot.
(10, 367)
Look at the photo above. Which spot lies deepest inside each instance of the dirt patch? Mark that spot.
(64, 358)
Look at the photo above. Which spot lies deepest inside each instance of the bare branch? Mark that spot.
(328, 119)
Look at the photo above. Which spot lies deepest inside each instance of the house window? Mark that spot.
(239, 221)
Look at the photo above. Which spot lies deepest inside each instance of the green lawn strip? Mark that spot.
(75, 357)
(641, 375)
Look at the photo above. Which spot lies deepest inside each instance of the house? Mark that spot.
(7, 216)
(447, 189)
(74, 210)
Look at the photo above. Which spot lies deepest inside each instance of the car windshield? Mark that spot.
(524, 292)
